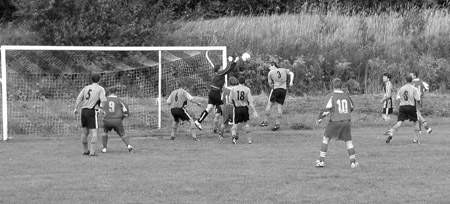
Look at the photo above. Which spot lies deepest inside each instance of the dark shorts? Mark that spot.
(241, 114)
(227, 113)
(89, 118)
(387, 106)
(278, 95)
(114, 124)
(215, 97)
(407, 113)
(339, 130)
(180, 114)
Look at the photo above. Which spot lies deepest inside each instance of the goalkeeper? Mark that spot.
(215, 92)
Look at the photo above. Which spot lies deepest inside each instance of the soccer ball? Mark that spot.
(245, 56)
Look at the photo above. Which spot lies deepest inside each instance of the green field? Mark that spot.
(276, 168)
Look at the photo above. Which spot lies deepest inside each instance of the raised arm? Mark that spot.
(229, 68)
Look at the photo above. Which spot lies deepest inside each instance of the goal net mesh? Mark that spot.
(42, 86)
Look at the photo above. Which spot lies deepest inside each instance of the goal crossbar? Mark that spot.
(4, 48)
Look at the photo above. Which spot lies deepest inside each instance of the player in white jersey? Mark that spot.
(277, 79)
(89, 101)
(177, 101)
(241, 98)
(409, 97)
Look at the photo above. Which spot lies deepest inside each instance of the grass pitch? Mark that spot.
(277, 168)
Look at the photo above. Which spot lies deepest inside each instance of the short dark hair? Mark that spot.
(234, 81)
(95, 77)
(416, 73)
(337, 83)
(112, 90)
(241, 80)
(409, 78)
(217, 68)
(389, 76)
(274, 64)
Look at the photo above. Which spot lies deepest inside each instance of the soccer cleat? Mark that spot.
(250, 141)
(198, 125)
(92, 154)
(354, 165)
(86, 153)
(130, 148)
(196, 139)
(320, 164)
(104, 150)
(416, 141)
(276, 127)
(263, 124)
(235, 140)
(388, 140)
(429, 130)
(172, 138)
(215, 131)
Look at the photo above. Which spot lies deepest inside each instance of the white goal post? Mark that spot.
(160, 63)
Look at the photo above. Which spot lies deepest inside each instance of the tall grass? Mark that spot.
(366, 46)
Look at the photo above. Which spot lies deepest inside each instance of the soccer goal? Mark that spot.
(40, 84)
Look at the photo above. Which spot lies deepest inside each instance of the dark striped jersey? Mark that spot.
(115, 108)
(421, 86)
(339, 106)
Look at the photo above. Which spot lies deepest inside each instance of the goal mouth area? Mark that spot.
(40, 84)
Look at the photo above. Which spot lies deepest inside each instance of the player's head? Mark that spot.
(274, 65)
(112, 91)
(217, 68)
(409, 78)
(337, 83)
(242, 80)
(233, 81)
(95, 77)
(414, 74)
(386, 77)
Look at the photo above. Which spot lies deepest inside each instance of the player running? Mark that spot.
(339, 107)
(90, 98)
(277, 79)
(409, 97)
(215, 92)
(241, 98)
(178, 100)
(227, 107)
(115, 111)
(422, 87)
(387, 97)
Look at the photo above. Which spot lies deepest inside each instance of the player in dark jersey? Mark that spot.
(115, 111)
(422, 87)
(409, 97)
(387, 97)
(339, 107)
(177, 101)
(215, 92)
(227, 107)
(89, 100)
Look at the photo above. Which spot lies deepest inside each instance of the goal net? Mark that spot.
(40, 84)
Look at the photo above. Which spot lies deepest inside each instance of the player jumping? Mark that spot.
(339, 107)
(277, 79)
(241, 98)
(215, 91)
(115, 111)
(422, 87)
(89, 100)
(178, 100)
(409, 98)
(387, 97)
